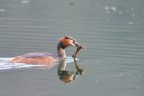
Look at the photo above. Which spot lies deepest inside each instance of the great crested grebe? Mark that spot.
(48, 59)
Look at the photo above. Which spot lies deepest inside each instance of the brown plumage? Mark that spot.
(45, 58)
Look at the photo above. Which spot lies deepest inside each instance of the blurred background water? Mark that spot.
(112, 30)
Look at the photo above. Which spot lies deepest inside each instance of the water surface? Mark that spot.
(112, 31)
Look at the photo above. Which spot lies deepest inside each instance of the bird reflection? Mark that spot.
(67, 76)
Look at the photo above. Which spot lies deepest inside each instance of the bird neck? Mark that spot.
(61, 50)
(62, 65)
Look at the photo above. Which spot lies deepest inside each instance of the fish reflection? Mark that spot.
(67, 76)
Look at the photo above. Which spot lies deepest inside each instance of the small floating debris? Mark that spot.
(97, 80)
(2, 10)
(113, 8)
(72, 3)
(120, 12)
(25, 1)
(138, 87)
(130, 22)
(106, 8)
(120, 74)
(132, 9)
(101, 75)
(133, 14)
(107, 12)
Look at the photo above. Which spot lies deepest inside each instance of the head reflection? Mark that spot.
(68, 76)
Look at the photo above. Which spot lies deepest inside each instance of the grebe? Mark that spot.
(48, 59)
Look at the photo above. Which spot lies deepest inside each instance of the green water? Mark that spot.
(112, 30)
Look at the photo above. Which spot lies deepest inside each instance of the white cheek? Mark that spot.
(72, 44)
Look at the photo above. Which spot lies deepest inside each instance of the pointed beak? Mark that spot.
(79, 45)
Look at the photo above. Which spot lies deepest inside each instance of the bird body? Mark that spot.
(45, 58)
